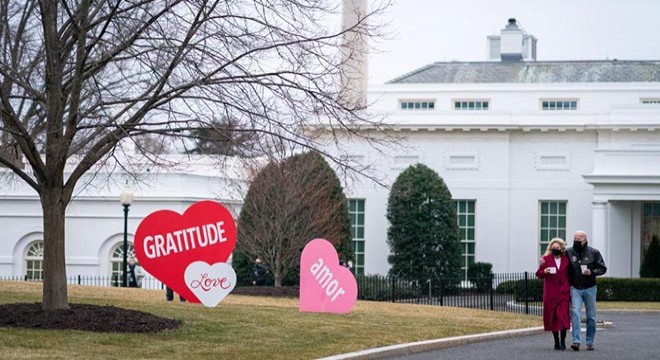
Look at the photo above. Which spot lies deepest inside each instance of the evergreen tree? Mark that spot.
(423, 233)
(287, 205)
(651, 265)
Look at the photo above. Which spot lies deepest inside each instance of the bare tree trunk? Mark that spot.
(54, 286)
(277, 271)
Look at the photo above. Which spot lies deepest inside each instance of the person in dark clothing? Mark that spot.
(259, 273)
(169, 294)
(585, 264)
(553, 268)
(134, 274)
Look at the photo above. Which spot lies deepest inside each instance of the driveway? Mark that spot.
(635, 335)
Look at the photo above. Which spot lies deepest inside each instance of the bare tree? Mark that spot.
(289, 204)
(80, 78)
(226, 137)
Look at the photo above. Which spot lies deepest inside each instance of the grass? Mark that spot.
(241, 327)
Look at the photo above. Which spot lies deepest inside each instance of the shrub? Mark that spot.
(609, 289)
(618, 289)
(480, 273)
(651, 266)
(379, 288)
(288, 204)
(517, 287)
(423, 233)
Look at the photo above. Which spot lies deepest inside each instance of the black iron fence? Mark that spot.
(147, 282)
(517, 293)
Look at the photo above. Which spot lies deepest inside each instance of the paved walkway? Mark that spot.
(635, 335)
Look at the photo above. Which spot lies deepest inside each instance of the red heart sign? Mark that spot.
(167, 242)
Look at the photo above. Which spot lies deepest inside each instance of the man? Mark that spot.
(585, 264)
(259, 273)
(135, 274)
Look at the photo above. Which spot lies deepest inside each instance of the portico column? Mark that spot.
(598, 236)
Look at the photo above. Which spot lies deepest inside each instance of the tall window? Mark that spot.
(34, 261)
(465, 213)
(356, 213)
(553, 222)
(117, 260)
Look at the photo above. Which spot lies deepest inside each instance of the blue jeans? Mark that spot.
(588, 297)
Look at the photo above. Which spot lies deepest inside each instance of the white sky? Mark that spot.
(425, 31)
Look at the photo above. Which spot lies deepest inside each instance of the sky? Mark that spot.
(421, 32)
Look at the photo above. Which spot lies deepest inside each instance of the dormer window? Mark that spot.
(417, 104)
(558, 104)
(471, 104)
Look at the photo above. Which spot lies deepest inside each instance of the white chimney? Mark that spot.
(353, 72)
(513, 44)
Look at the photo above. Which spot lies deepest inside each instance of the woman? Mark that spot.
(553, 269)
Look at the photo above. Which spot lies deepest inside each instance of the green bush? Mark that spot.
(480, 274)
(617, 289)
(379, 288)
(517, 287)
(423, 234)
(609, 289)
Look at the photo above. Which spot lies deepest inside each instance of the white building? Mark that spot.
(95, 217)
(529, 149)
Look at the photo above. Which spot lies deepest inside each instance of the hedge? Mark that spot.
(609, 289)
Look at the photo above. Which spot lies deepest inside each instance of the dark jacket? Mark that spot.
(594, 261)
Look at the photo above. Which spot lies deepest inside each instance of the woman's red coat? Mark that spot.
(556, 294)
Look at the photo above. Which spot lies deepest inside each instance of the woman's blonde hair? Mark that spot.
(559, 241)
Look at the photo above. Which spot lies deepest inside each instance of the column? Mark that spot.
(599, 234)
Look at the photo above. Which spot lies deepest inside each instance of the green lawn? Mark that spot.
(241, 327)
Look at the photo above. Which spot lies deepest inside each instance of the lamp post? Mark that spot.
(126, 199)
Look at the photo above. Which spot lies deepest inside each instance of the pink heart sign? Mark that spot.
(210, 283)
(167, 243)
(325, 286)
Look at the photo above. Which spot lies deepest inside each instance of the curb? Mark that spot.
(427, 345)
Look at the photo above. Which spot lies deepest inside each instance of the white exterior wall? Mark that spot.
(509, 178)
(95, 217)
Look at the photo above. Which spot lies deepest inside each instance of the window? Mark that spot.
(471, 104)
(34, 261)
(417, 105)
(558, 104)
(553, 222)
(650, 101)
(117, 260)
(356, 213)
(465, 214)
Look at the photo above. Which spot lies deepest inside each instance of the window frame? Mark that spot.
(116, 262)
(36, 258)
(358, 243)
(464, 231)
(557, 101)
(417, 104)
(649, 101)
(551, 231)
(471, 104)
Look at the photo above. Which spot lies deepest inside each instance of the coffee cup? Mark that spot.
(584, 268)
(552, 270)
